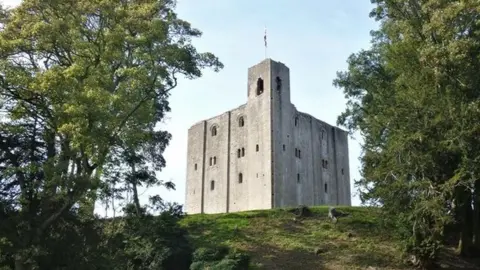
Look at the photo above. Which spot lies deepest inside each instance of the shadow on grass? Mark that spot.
(371, 259)
(449, 260)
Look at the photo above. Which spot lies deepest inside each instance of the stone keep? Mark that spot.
(265, 154)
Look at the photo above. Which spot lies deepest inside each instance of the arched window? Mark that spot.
(240, 178)
(243, 152)
(214, 131)
(239, 153)
(325, 164)
(212, 185)
(241, 121)
(257, 148)
(296, 121)
(259, 86)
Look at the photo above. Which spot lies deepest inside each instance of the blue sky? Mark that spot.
(312, 37)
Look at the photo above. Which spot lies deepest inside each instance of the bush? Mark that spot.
(219, 258)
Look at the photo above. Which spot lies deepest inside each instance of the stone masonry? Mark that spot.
(265, 154)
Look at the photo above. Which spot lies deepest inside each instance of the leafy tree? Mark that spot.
(81, 81)
(414, 97)
(147, 241)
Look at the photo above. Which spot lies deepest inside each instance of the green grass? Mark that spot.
(275, 239)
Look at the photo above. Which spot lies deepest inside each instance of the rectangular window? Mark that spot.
(195, 166)
(258, 148)
(284, 147)
(298, 178)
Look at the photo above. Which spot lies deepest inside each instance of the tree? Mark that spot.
(79, 79)
(413, 97)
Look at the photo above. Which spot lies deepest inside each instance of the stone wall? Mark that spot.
(195, 168)
(265, 153)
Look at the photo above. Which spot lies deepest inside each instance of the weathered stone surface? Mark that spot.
(266, 154)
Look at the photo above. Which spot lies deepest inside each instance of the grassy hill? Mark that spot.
(277, 239)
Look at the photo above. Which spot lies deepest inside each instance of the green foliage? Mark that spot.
(219, 258)
(83, 85)
(148, 242)
(413, 96)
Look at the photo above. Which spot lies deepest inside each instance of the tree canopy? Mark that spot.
(414, 98)
(83, 85)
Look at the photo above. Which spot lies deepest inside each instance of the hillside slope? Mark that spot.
(276, 239)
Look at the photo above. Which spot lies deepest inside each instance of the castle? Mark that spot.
(265, 154)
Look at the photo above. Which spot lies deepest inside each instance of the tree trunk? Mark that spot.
(476, 216)
(465, 218)
(19, 265)
(21, 262)
(136, 200)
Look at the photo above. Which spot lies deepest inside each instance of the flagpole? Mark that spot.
(265, 40)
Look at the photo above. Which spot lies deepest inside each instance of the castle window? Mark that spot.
(284, 147)
(212, 185)
(195, 166)
(326, 188)
(342, 171)
(241, 122)
(243, 152)
(240, 178)
(214, 160)
(259, 86)
(298, 178)
(299, 153)
(257, 148)
(239, 153)
(324, 163)
(296, 121)
(211, 161)
(279, 83)
(323, 134)
(214, 131)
